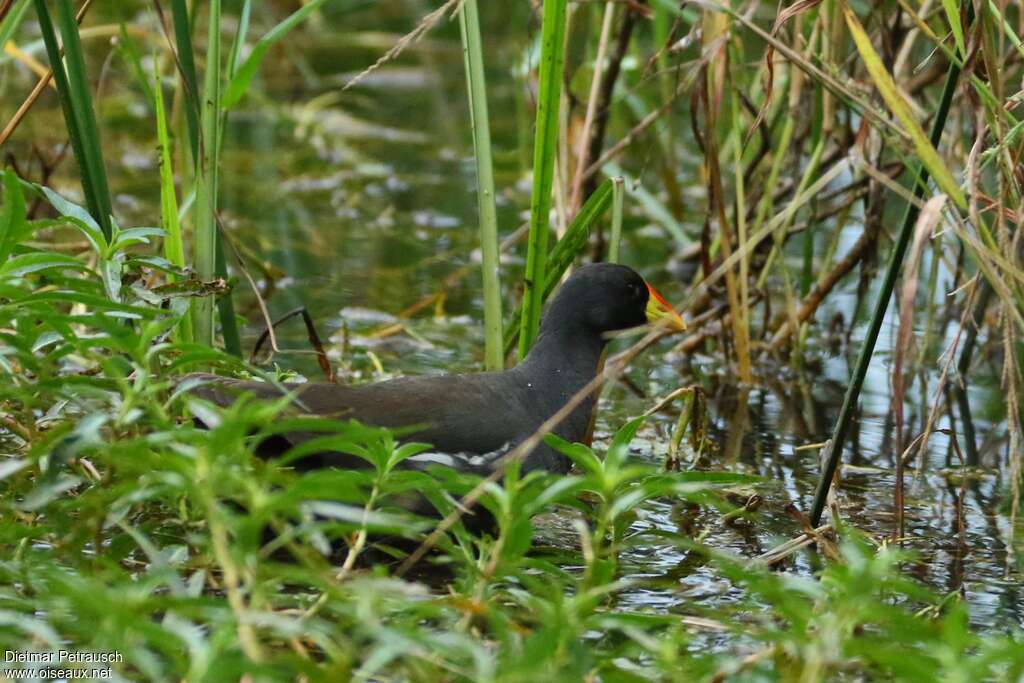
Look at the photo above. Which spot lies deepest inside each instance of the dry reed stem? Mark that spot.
(588, 120)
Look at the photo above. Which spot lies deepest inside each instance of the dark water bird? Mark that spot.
(471, 420)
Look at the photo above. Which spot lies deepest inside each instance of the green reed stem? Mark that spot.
(187, 64)
(205, 238)
(921, 174)
(472, 49)
(552, 63)
(226, 306)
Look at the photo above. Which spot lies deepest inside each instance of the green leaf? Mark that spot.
(14, 226)
(577, 452)
(36, 261)
(894, 100)
(79, 217)
(132, 236)
(111, 270)
(91, 146)
(405, 451)
(619, 448)
(953, 15)
(241, 79)
(187, 66)
(174, 248)
(11, 22)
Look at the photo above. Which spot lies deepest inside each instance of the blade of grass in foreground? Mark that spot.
(552, 62)
(78, 80)
(469, 22)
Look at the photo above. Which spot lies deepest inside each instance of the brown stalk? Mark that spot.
(602, 108)
(592, 104)
(927, 220)
(822, 289)
(314, 340)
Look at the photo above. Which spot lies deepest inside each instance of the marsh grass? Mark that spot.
(476, 85)
(130, 530)
(545, 148)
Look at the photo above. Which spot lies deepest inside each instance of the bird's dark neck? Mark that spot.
(567, 358)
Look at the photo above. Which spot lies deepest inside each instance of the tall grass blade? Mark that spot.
(953, 16)
(187, 66)
(174, 250)
(12, 21)
(240, 79)
(225, 303)
(78, 80)
(472, 47)
(235, 56)
(76, 103)
(205, 237)
(842, 425)
(894, 100)
(552, 62)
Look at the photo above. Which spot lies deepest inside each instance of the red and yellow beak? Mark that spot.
(661, 313)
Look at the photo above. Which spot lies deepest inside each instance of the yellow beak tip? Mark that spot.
(660, 312)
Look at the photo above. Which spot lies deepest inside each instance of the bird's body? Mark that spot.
(471, 420)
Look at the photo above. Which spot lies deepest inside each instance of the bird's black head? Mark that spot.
(598, 298)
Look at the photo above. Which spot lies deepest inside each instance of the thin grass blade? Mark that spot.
(81, 100)
(469, 21)
(174, 250)
(187, 67)
(894, 100)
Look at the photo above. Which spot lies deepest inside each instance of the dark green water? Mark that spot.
(362, 202)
